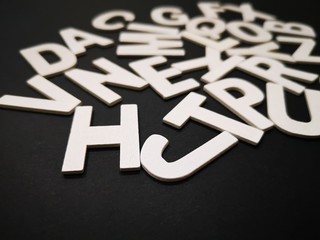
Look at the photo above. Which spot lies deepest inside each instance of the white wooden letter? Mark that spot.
(248, 13)
(257, 34)
(60, 101)
(153, 162)
(71, 35)
(276, 72)
(210, 9)
(303, 53)
(158, 80)
(41, 65)
(278, 113)
(243, 106)
(217, 67)
(82, 135)
(150, 40)
(94, 82)
(190, 107)
(263, 50)
(195, 25)
(177, 16)
(100, 21)
(289, 28)
(221, 45)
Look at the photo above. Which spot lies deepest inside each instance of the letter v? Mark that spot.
(59, 102)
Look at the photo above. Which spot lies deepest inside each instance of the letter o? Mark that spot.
(259, 34)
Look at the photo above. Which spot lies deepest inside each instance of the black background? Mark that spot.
(269, 191)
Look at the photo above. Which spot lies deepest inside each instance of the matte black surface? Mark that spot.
(265, 192)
